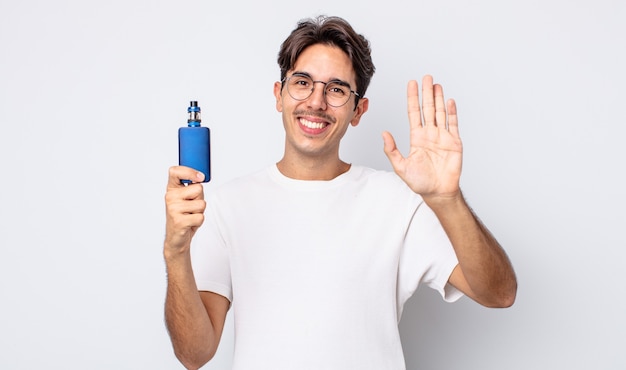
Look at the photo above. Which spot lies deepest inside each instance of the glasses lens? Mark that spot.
(337, 94)
(300, 87)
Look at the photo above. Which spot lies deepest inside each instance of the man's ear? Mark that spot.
(361, 108)
(279, 97)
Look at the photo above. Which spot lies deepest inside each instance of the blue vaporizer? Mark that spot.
(194, 144)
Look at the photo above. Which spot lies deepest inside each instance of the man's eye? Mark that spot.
(337, 90)
(300, 82)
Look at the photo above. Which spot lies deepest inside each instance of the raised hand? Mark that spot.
(432, 167)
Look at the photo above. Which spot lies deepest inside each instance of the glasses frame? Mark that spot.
(340, 82)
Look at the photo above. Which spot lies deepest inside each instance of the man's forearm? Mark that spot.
(192, 334)
(484, 264)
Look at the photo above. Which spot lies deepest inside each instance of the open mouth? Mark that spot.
(313, 125)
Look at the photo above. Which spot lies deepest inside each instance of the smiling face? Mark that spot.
(313, 129)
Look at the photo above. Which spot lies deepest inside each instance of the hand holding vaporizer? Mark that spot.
(194, 144)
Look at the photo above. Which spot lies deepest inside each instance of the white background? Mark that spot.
(92, 94)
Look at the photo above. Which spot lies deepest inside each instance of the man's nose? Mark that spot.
(317, 100)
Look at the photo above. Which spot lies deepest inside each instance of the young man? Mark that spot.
(318, 256)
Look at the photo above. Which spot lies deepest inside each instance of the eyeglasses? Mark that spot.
(336, 92)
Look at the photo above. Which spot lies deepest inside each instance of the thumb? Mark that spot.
(390, 148)
(178, 174)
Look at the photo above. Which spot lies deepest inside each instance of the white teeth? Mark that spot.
(313, 125)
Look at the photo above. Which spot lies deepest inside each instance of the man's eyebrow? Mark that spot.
(302, 73)
(332, 79)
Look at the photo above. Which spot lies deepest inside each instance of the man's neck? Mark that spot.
(313, 169)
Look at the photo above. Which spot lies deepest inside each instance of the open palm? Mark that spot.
(433, 164)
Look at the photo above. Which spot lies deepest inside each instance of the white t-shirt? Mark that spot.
(318, 271)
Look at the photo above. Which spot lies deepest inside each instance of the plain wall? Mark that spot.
(92, 94)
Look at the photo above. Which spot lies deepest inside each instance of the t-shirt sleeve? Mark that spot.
(210, 258)
(427, 257)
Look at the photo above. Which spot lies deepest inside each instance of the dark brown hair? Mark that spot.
(334, 31)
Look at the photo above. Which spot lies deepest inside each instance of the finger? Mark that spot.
(391, 150)
(440, 106)
(428, 101)
(178, 173)
(184, 194)
(186, 207)
(453, 121)
(182, 223)
(193, 206)
(193, 191)
(413, 105)
(178, 197)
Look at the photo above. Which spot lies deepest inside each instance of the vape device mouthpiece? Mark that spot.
(194, 114)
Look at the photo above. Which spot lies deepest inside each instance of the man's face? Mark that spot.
(312, 127)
